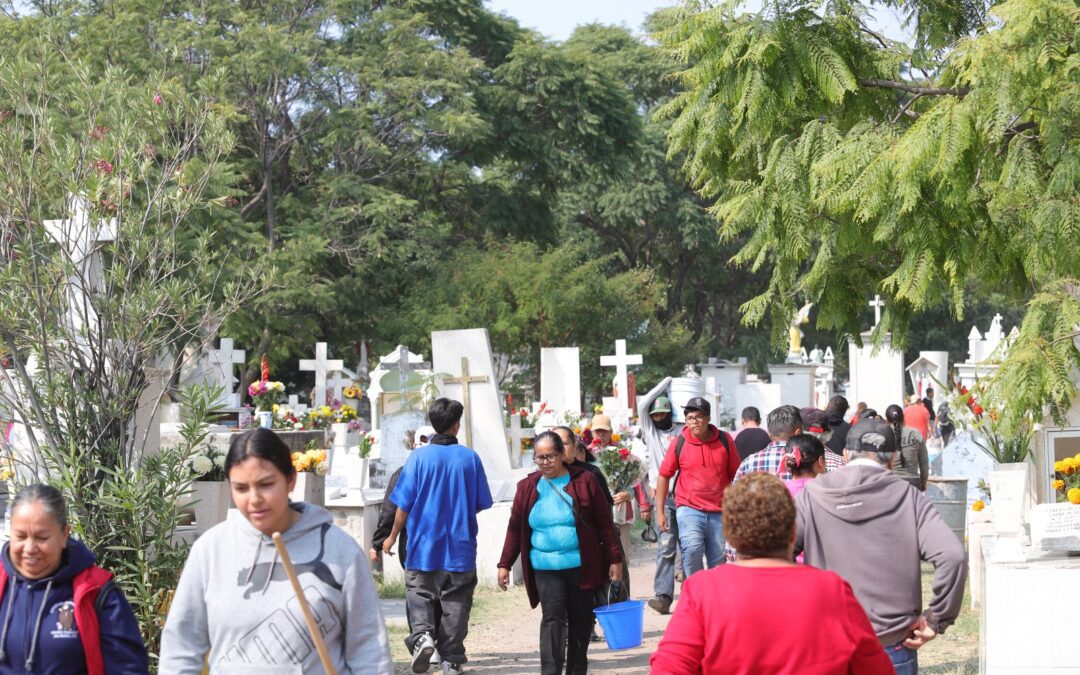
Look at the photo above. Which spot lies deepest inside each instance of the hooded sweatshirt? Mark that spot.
(235, 601)
(38, 633)
(656, 439)
(873, 528)
(705, 469)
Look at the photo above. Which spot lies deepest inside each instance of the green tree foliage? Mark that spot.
(859, 165)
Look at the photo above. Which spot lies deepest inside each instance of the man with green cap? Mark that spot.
(658, 427)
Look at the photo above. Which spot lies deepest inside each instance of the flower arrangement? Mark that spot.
(311, 461)
(975, 410)
(264, 393)
(979, 505)
(207, 464)
(367, 442)
(1066, 481)
(621, 468)
(353, 392)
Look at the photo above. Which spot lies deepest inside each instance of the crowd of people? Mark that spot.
(821, 515)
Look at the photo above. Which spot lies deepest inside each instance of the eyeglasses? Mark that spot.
(695, 418)
(545, 459)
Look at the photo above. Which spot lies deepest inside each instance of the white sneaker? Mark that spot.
(423, 649)
(452, 668)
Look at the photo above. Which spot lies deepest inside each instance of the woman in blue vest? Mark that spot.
(59, 612)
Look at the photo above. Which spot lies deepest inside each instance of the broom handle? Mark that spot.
(313, 628)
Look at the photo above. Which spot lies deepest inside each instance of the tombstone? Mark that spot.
(221, 362)
(796, 382)
(296, 406)
(321, 366)
(930, 370)
(984, 353)
(620, 360)
(336, 384)
(560, 377)
(876, 373)
(385, 394)
(463, 360)
(517, 435)
(395, 443)
(722, 380)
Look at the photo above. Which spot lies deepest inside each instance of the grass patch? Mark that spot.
(393, 590)
(956, 652)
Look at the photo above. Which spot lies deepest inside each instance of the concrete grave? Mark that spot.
(395, 443)
(1056, 527)
(620, 360)
(560, 377)
(322, 367)
(877, 374)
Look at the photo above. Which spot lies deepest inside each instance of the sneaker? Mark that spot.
(595, 637)
(450, 668)
(661, 603)
(422, 651)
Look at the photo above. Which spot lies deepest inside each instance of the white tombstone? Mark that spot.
(465, 355)
(516, 434)
(296, 406)
(221, 362)
(877, 374)
(722, 380)
(388, 364)
(560, 377)
(764, 396)
(341, 379)
(322, 367)
(620, 360)
(796, 383)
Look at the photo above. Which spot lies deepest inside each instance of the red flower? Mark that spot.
(265, 369)
(977, 409)
(624, 453)
(157, 99)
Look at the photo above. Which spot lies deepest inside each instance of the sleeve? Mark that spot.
(367, 647)
(601, 517)
(404, 494)
(185, 640)
(682, 648)
(733, 457)
(512, 542)
(122, 646)
(801, 506)
(483, 491)
(670, 465)
(387, 511)
(602, 481)
(645, 403)
(924, 464)
(868, 657)
(940, 546)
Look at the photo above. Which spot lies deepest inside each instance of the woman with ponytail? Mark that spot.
(805, 459)
(913, 463)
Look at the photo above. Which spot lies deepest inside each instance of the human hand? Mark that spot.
(661, 520)
(504, 578)
(615, 572)
(374, 554)
(920, 634)
(646, 513)
(388, 546)
(622, 498)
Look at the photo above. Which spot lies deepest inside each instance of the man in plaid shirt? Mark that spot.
(783, 423)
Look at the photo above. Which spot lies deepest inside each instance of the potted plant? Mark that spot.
(265, 395)
(209, 488)
(311, 468)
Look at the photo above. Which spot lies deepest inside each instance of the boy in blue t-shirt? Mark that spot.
(441, 489)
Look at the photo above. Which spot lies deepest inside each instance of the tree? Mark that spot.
(857, 164)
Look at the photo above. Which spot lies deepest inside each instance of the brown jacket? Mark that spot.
(873, 528)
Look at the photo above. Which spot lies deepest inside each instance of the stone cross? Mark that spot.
(79, 239)
(339, 381)
(620, 360)
(222, 361)
(877, 303)
(465, 381)
(516, 435)
(321, 366)
(295, 405)
(403, 367)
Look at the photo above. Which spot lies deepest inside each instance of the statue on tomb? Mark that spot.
(795, 335)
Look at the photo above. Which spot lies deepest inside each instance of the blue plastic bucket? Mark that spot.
(623, 623)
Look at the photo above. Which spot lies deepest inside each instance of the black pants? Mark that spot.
(567, 621)
(429, 593)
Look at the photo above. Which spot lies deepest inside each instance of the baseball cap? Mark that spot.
(601, 422)
(815, 420)
(424, 432)
(697, 403)
(872, 435)
(661, 405)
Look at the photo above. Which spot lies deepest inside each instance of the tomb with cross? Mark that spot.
(221, 361)
(395, 383)
(517, 435)
(321, 366)
(877, 303)
(620, 360)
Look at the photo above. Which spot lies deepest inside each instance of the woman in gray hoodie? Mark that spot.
(234, 600)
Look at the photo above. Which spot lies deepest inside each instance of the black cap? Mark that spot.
(698, 403)
(814, 420)
(872, 435)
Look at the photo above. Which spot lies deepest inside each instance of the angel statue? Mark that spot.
(795, 335)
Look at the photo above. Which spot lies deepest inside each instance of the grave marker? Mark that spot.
(321, 366)
(620, 360)
(465, 380)
(222, 361)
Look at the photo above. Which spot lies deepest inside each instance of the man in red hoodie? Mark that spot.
(705, 460)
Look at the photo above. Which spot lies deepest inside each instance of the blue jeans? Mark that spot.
(666, 545)
(904, 659)
(701, 534)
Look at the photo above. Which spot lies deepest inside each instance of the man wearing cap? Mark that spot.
(872, 528)
(706, 461)
(658, 429)
(783, 423)
(816, 423)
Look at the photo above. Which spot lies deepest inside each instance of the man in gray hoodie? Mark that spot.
(873, 529)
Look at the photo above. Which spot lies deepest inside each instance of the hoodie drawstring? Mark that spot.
(7, 619)
(37, 628)
(254, 563)
(270, 573)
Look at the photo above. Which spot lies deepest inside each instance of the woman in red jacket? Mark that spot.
(560, 525)
(764, 614)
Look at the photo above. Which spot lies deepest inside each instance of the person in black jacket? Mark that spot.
(837, 408)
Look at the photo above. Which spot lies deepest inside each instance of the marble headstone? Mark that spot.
(560, 377)
(1056, 527)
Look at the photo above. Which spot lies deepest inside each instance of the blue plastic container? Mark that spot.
(623, 623)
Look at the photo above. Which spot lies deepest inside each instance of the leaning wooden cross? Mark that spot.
(464, 381)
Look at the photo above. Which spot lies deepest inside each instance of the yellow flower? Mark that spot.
(615, 438)
(275, 408)
(1059, 484)
(1074, 496)
(978, 505)
(1059, 467)
(325, 411)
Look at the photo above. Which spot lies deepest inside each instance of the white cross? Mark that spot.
(621, 360)
(79, 240)
(403, 366)
(516, 436)
(321, 366)
(296, 406)
(339, 381)
(222, 360)
(877, 303)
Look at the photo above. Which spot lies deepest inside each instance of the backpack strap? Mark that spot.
(679, 442)
(103, 595)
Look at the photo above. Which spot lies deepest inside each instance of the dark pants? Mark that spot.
(426, 593)
(564, 604)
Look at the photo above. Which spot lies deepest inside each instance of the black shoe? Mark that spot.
(661, 603)
(451, 668)
(422, 652)
(594, 637)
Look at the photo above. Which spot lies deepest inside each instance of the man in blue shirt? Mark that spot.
(441, 489)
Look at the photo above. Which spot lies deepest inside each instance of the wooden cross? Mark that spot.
(877, 303)
(621, 360)
(516, 435)
(321, 366)
(465, 380)
(223, 359)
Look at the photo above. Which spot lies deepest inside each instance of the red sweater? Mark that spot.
(705, 469)
(779, 620)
